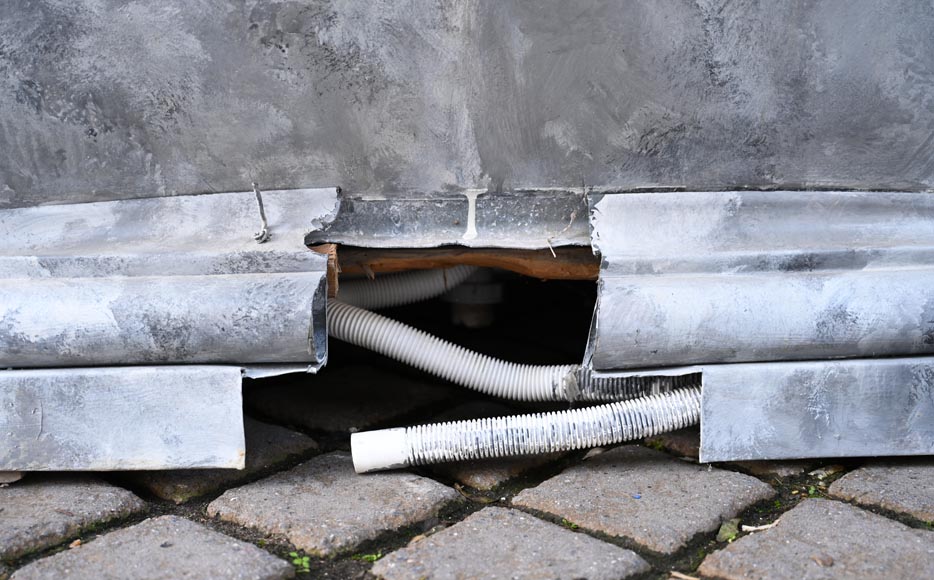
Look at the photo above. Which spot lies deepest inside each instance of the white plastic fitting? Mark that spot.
(378, 450)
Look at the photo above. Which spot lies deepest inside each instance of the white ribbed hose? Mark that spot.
(449, 361)
(526, 434)
(402, 288)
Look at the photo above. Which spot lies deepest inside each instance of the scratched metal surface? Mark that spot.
(101, 99)
(533, 219)
(121, 418)
(845, 408)
(165, 280)
(761, 276)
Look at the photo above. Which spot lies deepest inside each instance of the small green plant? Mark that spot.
(777, 504)
(655, 444)
(812, 491)
(569, 524)
(729, 530)
(369, 557)
(302, 563)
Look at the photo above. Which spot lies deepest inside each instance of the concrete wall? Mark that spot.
(104, 99)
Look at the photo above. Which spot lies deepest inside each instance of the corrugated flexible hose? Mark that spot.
(668, 409)
(449, 361)
(526, 434)
(402, 288)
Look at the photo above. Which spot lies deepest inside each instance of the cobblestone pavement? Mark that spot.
(643, 510)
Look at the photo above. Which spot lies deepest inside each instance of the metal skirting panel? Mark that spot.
(844, 408)
(165, 280)
(95, 419)
(717, 277)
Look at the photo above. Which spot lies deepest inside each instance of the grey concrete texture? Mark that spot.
(343, 399)
(905, 487)
(42, 511)
(266, 446)
(647, 497)
(163, 548)
(502, 543)
(323, 507)
(824, 539)
(112, 99)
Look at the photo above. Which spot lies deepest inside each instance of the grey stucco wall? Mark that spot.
(103, 99)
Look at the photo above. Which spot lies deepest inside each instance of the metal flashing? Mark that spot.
(841, 408)
(164, 280)
(522, 219)
(121, 418)
(715, 277)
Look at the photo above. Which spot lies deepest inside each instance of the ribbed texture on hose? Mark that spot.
(620, 388)
(449, 361)
(402, 288)
(553, 432)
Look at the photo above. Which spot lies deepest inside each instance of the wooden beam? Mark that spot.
(567, 263)
(334, 268)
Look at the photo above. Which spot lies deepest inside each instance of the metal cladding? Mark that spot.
(843, 408)
(781, 300)
(722, 277)
(160, 281)
(531, 219)
(95, 419)
(164, 280)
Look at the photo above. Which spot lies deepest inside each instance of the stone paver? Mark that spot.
(43, 511)
(502, 543)
(344, 399)
(644, 495)
(323, 507)
(485, 475)
(906, 487)
(779, 469)
(266, 446)
(167, 547)
(824, 539)
(10, 476)
(686, 443)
